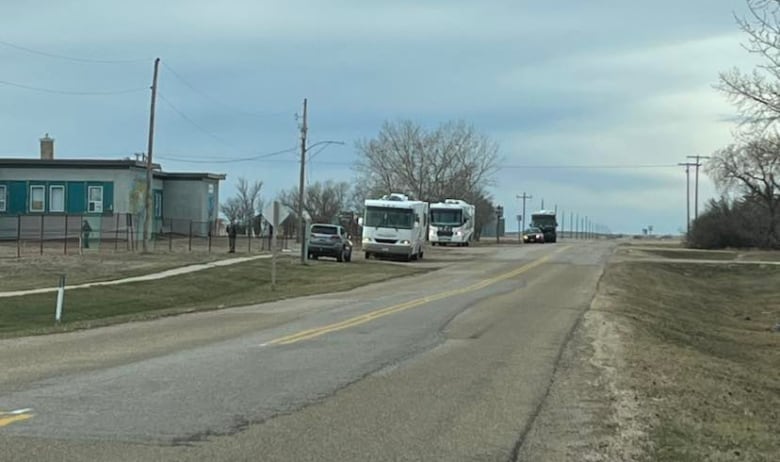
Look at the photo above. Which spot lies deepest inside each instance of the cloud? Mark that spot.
(565, 83)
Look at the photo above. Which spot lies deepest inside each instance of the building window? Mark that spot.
(56, 198)
(95, 199)
(3, 198)
(37, 198)
(158, 204)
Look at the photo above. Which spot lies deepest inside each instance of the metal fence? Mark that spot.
(28, 235)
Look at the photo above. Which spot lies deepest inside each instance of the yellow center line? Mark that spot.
(380, 313)
(9, 419)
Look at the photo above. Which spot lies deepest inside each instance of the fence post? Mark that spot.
(18, 236)
(42, 234)
(66, 234)
(209, 233)
(60, 299)
(170, 238)
(116, 234)
(249, 241)
(189, 245)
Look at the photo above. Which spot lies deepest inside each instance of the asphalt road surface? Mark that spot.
(452, 365)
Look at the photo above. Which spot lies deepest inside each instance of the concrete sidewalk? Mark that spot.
(147, 277)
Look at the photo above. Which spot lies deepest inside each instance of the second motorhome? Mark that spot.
(452, 222)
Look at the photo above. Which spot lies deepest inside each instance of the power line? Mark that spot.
(218, 100)
(311, 157)
(259, 157)
(195, 124)
(595, 166)
(71, 58)
(73, 93)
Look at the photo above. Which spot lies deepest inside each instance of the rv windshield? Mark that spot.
(389, 217)
(543, 220)
(447, 217)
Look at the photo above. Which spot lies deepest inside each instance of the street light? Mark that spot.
(301, 187)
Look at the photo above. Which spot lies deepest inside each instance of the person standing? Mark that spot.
(232, 231)
(85, 230)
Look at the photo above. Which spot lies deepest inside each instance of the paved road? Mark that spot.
(451, 366)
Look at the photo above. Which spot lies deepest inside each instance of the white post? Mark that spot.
(60, 299)
(275, 224)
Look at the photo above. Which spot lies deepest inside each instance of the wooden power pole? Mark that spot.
(149, 215)
(302, 185)
(524, 198)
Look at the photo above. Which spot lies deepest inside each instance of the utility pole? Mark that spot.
(571, 225)
(524, 197)
(577, 227)
(585, 227)
(696, 188)
(563, 221)
(301, 186)
(148, 216)
(687, 166)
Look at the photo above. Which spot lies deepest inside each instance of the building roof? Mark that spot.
(21, 162)
(105, 164)
(189, 176)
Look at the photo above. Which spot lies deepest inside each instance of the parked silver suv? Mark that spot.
(330, 241)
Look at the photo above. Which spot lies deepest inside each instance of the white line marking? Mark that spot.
(17, 412)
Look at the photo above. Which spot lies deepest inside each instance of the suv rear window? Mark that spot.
(324, 230)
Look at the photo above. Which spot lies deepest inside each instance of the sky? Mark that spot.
(592, 103)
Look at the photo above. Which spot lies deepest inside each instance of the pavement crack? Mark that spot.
(515, 453)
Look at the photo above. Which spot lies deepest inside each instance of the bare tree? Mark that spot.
(485, 211)
(245, 205)
(752, 169)
(451, 161)
(322, 201)
(757, 94)
(232, 209)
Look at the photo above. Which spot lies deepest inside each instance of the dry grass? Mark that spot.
(703, 359)
(687, 254)
(234, 285)
(39, 272)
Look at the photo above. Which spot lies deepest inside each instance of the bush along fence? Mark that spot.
(29, 235)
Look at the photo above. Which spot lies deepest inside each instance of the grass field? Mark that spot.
(45, 271)
(702, 357)
(239, 284)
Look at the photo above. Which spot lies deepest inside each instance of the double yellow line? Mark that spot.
(370, 316)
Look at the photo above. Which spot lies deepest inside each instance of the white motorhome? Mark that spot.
(452, 221)
(395, 226)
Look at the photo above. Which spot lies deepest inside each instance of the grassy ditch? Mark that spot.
(234, 285)
(703, 358)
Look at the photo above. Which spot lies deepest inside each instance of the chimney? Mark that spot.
(47, 148)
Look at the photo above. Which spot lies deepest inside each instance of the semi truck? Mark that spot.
(452, 222)
(395, 226)
(547, 222)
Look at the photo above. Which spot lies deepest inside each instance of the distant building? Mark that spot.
(100, 190)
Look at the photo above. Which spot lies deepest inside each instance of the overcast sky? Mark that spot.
(567, 83)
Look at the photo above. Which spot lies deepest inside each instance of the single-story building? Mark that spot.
(104, 192)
